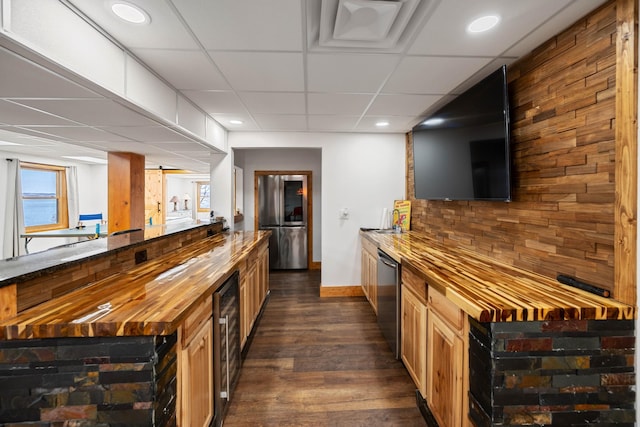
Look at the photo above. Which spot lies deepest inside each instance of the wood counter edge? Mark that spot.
(607, 308)
(33, 330)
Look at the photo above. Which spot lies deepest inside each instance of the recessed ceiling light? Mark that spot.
(130, 12)
(235, 122)
(382, 123)
(435, 121)
(484, 23)
(87, 159)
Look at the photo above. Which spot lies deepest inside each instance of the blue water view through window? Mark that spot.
(39, 197)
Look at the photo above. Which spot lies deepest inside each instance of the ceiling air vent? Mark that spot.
(368, 24)
(365, 20)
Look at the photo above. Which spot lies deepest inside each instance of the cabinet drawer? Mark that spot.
(369, 247)
(449, 312)
(200, 314)
(416, 283)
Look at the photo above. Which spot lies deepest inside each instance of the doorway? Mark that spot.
(311, 265)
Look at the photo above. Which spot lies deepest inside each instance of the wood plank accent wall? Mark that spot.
(563, 121)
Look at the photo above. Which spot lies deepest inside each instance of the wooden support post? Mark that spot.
(626, 131)
(126, 191)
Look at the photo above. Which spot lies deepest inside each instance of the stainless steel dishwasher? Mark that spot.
(389, 300)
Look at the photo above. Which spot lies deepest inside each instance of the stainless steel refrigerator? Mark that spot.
(282, 208)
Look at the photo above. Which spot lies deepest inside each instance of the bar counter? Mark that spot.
(150, 299)
(489, 291)
(29, 266)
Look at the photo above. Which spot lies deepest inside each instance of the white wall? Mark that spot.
(283, 159)
(362, 172)
(92, 193)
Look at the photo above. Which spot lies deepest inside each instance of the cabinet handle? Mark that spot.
(225, 321)
(158, 207)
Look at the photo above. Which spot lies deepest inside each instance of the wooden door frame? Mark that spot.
(309, 174)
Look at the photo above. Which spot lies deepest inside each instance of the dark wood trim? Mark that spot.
(626, 148)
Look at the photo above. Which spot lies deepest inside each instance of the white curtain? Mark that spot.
(72, 195)
(14, 218)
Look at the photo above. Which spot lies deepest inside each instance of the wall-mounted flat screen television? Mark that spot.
(461, 152)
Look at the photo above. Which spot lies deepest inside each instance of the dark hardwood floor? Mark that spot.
(320, 362)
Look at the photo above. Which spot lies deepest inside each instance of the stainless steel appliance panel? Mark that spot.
(269, 200)
(293, 196)
(274, 246)
(282, 208)
(389, 301)
(226, 348)
(293, 247)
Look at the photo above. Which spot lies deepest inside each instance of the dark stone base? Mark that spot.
(114, 381)
(556, 373)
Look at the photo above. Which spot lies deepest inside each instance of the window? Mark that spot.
(204, 196)
(44, 197)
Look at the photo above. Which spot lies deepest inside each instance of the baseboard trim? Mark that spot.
(315, 265)
(341, 291)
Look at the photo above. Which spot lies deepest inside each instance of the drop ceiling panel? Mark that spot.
(349, 104)
(432, 75)
(259, 71)
(332, 123)
(281, 122)
(16, 114)
(165, 29)
(274, 102)
(349, 73)
(169, 64)
(557, 23)
(214, 102)
(91, 112)
(450, 20)
(396, 124)
(234, 24)
(247, 121)
(76, 133)
(401, 105)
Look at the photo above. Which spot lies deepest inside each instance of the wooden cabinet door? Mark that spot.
(263, 274)
(364, 273)
(197, 378)
(373, 281)
(445, 361)
(413, 347)
(244, 318)
(369, 275)
(253, 293)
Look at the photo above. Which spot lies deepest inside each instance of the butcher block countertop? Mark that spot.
(153, 298)
(490, 291)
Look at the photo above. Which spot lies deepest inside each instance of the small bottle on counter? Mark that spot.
(97, 229)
